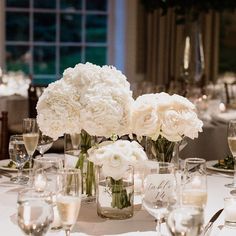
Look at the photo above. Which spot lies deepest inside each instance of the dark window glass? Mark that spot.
(98, 5)
(43, 80)
(17, 58)
(17, 3)
(71, 4)
(96, 55)
(17, 26)
(70, 28)
(96, 28)
(69, 57)
(44, 60)
(44, 27)
(48, 4)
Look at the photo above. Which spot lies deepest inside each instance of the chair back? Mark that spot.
(230, 94)
(4, 136)
(34, 92)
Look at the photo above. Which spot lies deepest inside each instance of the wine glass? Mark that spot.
(34, 212)
(185, 220)
(194, 188)
(232, 146)
(44, 143)
(69, 197)
(30, 136)
(19, 156)
(159, 188)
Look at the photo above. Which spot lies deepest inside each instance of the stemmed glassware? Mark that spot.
(44, 144)
(159, 189)
(30, 136)
(232, 147)
(34, 212)
(69, 197)
(19, 156)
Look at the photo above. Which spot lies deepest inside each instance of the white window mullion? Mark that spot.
(31, 38)
(57, 60)
(83, 28)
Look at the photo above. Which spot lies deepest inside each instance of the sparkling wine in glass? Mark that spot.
(19, 156)
(185, 221)
(30, 136)
(159, 189)
(232, 146)
(44, 143)
(34, 212)
(69, 197)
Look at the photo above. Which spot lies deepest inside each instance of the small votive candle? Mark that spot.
(40, 182)
(222, 107)
(230, 211)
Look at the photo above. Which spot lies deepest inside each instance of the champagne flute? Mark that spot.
(159, 188)
(34, 212)
(19, 156)
(232, 146)
(69, 197)
(44, 144)
(30, 136)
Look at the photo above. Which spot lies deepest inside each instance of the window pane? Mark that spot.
(44, 27)
(96, 28)
(96, 55)
(99, 5)
(17, 26)
(70, 28)
(44, 60)
(71, 4)
(50, 4)
(17, 58)
(69, 56)
(17, 3)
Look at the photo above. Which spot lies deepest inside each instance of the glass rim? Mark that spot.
(48, 159)
(33, 193)
(69, 170)
(229, 198)
(195, 160)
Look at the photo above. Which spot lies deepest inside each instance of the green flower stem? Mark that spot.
(90, 179)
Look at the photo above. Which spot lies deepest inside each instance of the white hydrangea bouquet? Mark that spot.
(89, 100)
(166, 120)
(115, 158)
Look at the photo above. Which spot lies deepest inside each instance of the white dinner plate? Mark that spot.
(210, 166)
(3, 165)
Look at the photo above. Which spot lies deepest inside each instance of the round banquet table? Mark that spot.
(140, 224)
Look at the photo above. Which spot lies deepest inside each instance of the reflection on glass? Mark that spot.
(96, 55)
(96, 28)
(44, 60)
(44, 27)
(69, 57)
(45, 4)
(70, 28)
(18, 58)
(98, 5)
(17, 26)
(17, 3)
(71, 4)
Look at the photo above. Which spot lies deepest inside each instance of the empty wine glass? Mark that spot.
(44, 144)
(69, 197)
(186, 221)
(19, 156)
(159, 189)
(232, 146)
(34, 212)
(30, 136)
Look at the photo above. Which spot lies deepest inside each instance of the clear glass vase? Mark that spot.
(76, 147)
(115, 197)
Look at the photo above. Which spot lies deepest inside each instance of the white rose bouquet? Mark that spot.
(166, 120)
(115, 158)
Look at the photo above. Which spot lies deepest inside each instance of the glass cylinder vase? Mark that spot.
(76, 155)
(115, 197)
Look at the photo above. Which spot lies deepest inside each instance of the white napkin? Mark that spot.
(224, 116)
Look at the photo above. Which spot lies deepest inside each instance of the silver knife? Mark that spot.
(211, 221)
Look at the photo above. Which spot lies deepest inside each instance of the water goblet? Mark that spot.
(186, 221)
(231, 133)
(34, 212)
(19, 156)
(194, 187)
(159, 189)
(44, 143)
(69, 197)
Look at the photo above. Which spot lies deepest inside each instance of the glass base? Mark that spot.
(20, 179)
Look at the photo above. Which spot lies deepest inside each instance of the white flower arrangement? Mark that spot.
(96, 99)
(116, 157)
(170, 116)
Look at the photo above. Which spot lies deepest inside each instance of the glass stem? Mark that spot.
(234, 183)
(67, 232)
(19, 173)
(158, 227)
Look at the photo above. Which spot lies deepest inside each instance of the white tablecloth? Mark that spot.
(90, 224)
